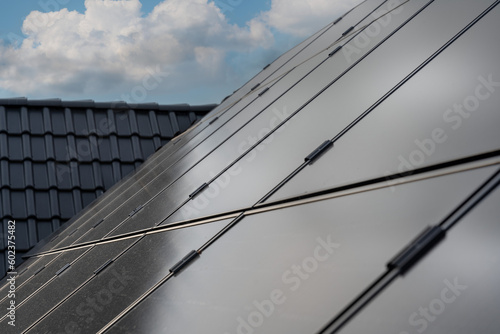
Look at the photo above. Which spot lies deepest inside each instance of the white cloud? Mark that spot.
(112, 45)
(304, 17)
(115, 49)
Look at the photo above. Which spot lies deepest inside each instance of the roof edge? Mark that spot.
(119, 105)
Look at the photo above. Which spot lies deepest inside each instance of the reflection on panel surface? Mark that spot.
(454, 289)
(310, 259)
(334, 109)
(447, 111)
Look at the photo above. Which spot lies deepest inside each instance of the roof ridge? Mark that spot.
(88, 103)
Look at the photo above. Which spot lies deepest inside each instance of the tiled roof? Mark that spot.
(57, 156)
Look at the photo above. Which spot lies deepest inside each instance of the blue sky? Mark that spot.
(170, 51)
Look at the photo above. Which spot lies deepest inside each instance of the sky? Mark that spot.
(171, 51)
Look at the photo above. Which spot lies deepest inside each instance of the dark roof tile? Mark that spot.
(107, 175)
(104, 148)
(42, 179)
(42, 204)
(125, 150)
(16, 175)
(143, 124)
(101, 122)
(15, 147)
(83, 149)
(18, 204)
(66, 204)
(80, 122)
(122, 121)
(58, 121)
(86, 174)
(13, 121)
(61, 148)
(166, 126)
(36, 122)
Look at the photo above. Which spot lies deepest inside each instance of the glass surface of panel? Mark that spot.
(34, 266)
(355, 18)
(65, 283)
(452, 290)
(447, 111)
(42, 277)
(272, 161)
(288, 270)
(125, 280)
